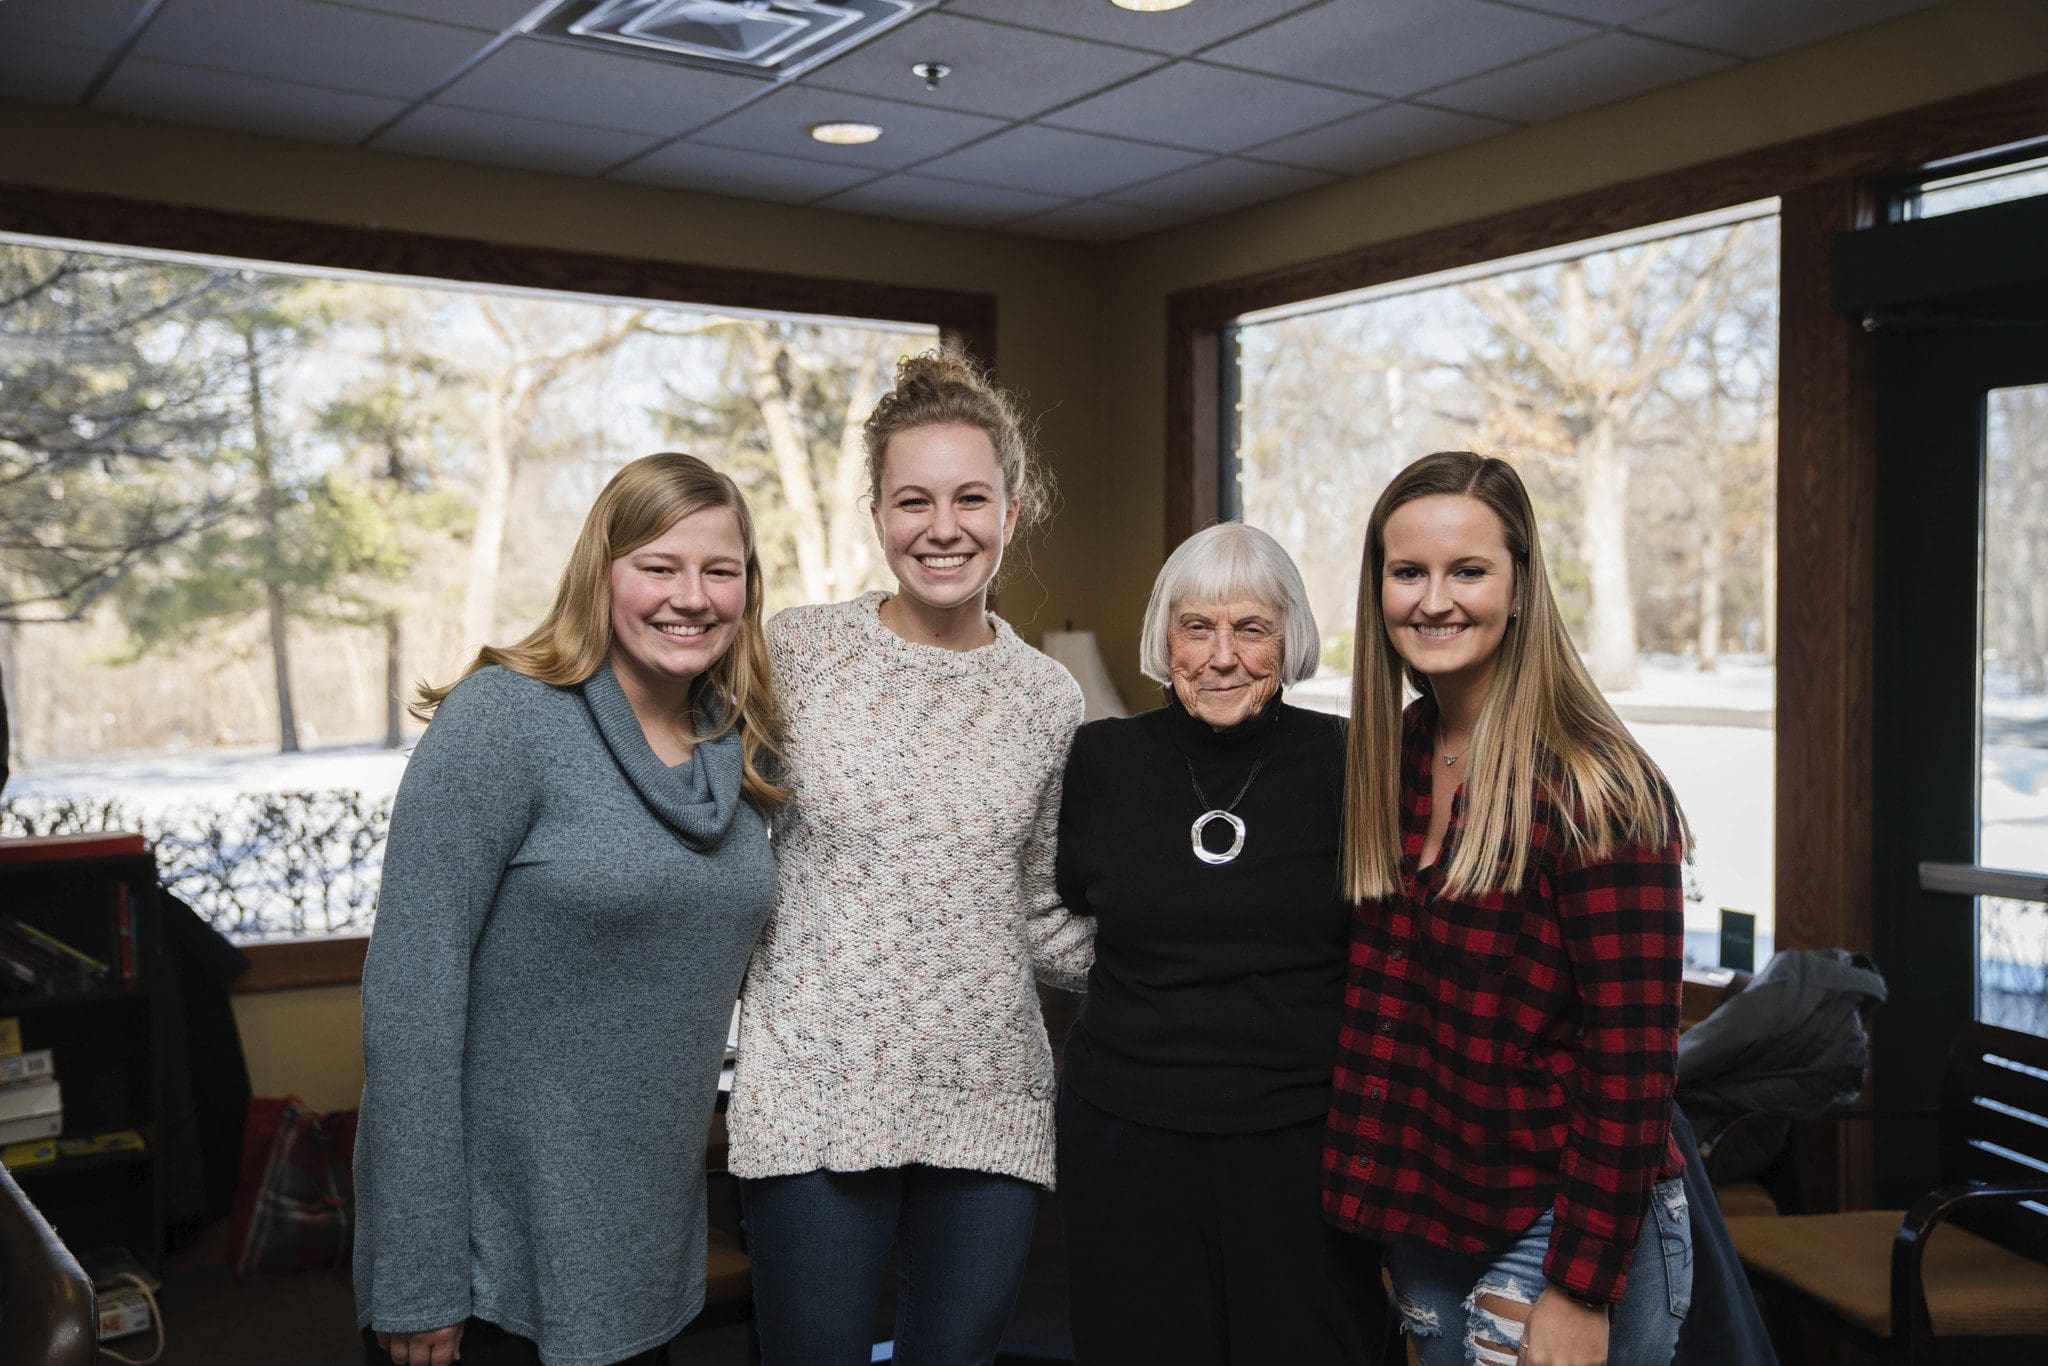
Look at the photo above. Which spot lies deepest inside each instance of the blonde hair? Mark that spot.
(642, 501)
(1543, 723)
(933, 389)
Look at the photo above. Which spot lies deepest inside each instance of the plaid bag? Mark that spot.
(295, 1204)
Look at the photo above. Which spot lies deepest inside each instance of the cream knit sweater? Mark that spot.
(890, 1016)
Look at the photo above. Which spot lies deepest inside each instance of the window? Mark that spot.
(244, 510)
(1632, 379)
(1997, 184)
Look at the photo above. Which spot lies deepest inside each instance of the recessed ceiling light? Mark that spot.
(845, 134)
(1150, 6)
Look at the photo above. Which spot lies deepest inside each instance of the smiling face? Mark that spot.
(1225, 659)
(1447, 588)
(943, 516)
(677, 601)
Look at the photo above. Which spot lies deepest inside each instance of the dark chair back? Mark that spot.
(1994, 1128)
(46, 1306)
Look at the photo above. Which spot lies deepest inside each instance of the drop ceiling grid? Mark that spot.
(1184, 114)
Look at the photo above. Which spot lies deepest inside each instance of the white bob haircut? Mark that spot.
(1219, 563)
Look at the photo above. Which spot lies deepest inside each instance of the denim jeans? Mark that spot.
(819, 1244)
(1437, 1292)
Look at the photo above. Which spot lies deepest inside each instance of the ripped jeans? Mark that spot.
(1437, 1292)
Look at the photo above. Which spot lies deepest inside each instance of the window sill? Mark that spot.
(294, 964)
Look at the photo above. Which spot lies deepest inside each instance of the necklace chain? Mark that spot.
(1249, 778)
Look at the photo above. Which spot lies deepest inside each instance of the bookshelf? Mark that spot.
(105, 1030)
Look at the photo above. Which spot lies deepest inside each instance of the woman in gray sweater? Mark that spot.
(577, 869)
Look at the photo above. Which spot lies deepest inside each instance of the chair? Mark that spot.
(1880, 1278)
(46, 1306)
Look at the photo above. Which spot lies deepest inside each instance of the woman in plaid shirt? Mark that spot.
(1502, 1105)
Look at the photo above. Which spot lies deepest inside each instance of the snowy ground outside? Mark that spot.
(1711, 733)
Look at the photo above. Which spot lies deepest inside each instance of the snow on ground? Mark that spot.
(155, 784)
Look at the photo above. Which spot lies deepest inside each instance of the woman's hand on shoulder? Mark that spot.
(1563, 1332)
(434, 1347)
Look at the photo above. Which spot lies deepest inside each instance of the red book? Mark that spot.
(55, 848)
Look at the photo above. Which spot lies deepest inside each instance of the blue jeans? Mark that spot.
(1438, 1291)
(819, 1243)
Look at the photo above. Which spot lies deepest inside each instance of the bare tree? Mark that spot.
(1581, 352)
(516, 383)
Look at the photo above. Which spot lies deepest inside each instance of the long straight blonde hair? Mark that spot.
(642, 501)
(1543, 725)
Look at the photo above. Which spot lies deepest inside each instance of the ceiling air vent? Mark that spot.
(775, 39)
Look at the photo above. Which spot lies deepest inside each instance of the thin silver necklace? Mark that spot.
(1225, 814)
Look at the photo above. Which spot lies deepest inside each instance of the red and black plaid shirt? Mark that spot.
(1509, 1053)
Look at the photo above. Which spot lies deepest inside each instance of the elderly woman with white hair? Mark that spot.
(1203, 838)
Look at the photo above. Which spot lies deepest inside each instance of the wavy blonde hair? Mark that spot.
(1544, 725)
(642, 501)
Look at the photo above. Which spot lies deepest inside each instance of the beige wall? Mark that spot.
(1081, 330)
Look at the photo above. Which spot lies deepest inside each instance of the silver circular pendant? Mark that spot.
(1237, 836)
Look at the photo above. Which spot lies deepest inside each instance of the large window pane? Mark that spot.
(244, 511)
(2012, 805)
(1633, 383)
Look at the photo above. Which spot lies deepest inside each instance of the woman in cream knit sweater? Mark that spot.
(894, 1081)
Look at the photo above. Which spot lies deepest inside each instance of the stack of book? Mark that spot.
(32, 960)
(31, 1105)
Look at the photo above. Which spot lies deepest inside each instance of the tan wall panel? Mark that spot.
(305, 1043)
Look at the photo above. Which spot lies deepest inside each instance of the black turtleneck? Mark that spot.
(1214, 1000)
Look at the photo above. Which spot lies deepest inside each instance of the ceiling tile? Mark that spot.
(942, 201)
(1218, 185)
(186, 94)
(1611, 67)
(495, 15)
(1208, 108)
(750, 175)
(46, 71)
(997, 70)
(1757, 28)
(311, 44)
(781, 124)
(502, 140)
(1604, 12)
(96, 24)
(1396, 47)
(604, 90)
(1378, 137)
(1178, 31)
(1056, 161)
(1096, 221)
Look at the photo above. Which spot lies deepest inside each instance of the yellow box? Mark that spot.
(36, 1152)
(10, 1035)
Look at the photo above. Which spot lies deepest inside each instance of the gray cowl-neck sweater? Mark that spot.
(562, 931)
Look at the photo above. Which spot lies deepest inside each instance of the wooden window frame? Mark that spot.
(1826, 183)
(966, 322)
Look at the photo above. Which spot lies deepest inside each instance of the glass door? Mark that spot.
(1961, 699)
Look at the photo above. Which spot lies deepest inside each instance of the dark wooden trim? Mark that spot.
(1827, 554)
(1194, 358)
(293, 964)
(967, 318)
(1888, 146)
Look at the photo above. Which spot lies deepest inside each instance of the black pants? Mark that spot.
(1209, 1248)
(486, 1344)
